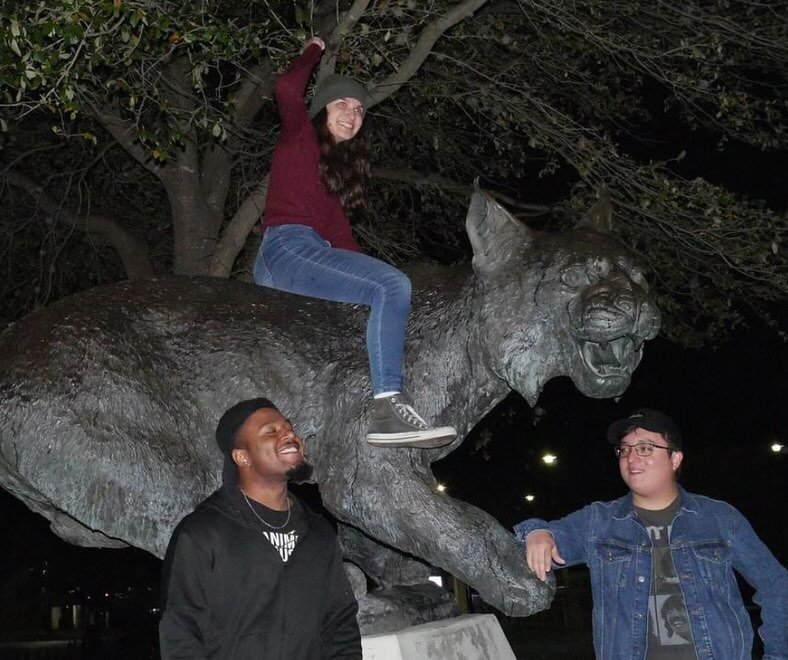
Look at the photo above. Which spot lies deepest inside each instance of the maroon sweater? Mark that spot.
(296, 193)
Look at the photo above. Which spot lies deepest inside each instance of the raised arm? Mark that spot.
(291, 85)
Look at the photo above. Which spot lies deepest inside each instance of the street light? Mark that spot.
(549, 459)
(778, 448)
(529, 498)
(441, 488)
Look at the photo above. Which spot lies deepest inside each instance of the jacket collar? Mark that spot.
(623, 507)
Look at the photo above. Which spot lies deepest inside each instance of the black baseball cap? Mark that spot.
(650, 420)
(232, 420)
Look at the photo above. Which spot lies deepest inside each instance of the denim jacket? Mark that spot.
(708, 540)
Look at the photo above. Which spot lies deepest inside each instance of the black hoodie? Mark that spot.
(227, 595)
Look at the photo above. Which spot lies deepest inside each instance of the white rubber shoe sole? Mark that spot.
(426, 439)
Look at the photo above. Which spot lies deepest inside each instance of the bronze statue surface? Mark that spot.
(109, 398)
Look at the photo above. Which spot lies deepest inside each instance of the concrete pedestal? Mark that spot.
(472, 637)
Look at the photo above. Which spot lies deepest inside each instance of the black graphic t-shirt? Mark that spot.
(669, 632)
(284, 538)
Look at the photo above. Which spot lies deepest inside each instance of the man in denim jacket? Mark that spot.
(662, 560)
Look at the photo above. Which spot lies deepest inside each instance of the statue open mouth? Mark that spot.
(615, 358)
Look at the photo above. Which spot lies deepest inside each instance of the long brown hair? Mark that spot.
(344, 166)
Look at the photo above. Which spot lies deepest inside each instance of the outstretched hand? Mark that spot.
(314, 40)
(540, 552)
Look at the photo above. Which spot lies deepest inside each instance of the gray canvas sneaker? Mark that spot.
(395, 423)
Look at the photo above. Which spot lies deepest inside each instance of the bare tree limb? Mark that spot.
(423, 48)
(343, 27)
(417, 178)
(123, 134)
(256, 86)
(132, 252)
(235, 234)
(215, 174)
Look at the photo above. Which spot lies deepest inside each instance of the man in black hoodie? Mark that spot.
(252, 573)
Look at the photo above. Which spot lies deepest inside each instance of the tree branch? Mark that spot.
(235, 234)
(122, 133)
(423, 48)
(256, 86)
(132, 252)
(417, 178)
(343, 27)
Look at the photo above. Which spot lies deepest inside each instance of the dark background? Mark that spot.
(730, 403)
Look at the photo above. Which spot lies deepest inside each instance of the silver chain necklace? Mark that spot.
(268, 524)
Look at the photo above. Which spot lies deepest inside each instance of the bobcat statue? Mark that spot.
(109, 398)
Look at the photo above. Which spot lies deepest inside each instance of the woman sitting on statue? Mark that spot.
(319, 174)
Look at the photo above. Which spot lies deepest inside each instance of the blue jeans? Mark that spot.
(295, 258)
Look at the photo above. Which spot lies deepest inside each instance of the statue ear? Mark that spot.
(600, 215)
(495, 234)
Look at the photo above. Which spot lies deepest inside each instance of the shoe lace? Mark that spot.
(407, 412)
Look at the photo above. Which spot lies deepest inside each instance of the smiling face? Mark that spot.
(652, 479)
(267, 447)
(674, 616)
(344, 118)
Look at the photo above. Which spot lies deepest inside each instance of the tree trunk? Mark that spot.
(195, 229)
(131, 250)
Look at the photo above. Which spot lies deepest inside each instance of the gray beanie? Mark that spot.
(335, 87)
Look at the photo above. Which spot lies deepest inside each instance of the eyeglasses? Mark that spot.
(642, 449)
